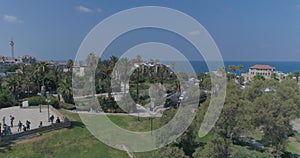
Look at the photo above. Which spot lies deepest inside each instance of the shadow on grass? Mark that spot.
(6, 146)
(289, 154)
(76, 124)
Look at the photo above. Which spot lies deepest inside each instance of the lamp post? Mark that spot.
(28, 92)
(151, 123)
(48, 102)
(137, 88)
(151, 119)
(137, 82)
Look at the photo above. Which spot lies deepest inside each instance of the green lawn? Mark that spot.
(293, 146)
(73, 142)
(77, 140)
(133, 124)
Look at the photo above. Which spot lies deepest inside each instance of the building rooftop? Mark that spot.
(257, 66)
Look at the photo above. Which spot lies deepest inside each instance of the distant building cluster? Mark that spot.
(6, 61)
(147, 67)
(265, 71)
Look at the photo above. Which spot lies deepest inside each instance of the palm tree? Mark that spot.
(240, 67)
(177, 86)
(69, 64)
(90, 70)
(51, 76)
(125, 65)
(164, 69)
(296, 74)
(233, 68)
(40, 71)
(106, 70)
(13, 83)
(113, 60)
(65, 90)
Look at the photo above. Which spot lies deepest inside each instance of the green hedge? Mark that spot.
(38, 100)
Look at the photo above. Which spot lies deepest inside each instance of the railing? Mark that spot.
(8, 138)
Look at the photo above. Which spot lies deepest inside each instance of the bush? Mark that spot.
(109, 105)
(39, 100)
(54, 102)
(6, 100)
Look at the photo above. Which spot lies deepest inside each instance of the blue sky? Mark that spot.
(266, 30)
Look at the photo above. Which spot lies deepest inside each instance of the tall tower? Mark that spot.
(12, 50)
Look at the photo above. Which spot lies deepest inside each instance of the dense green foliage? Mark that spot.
(38, 100)
(6, 100)
(24, 81)
(263, 107)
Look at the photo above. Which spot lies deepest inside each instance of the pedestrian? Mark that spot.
(57, 120)
(28, 124)
(12, 118)
(24, 128)
(41, 124)
(3, 120)
(52, 119)
(20, 124)
(4, 129)
(8, 130)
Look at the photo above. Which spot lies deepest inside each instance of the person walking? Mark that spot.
(20, 124)
(52, 119)
(57, 120)
(41, 124)
(4, 129)
(28, 124)
(8, 131)
(12, 118)
(3, 121)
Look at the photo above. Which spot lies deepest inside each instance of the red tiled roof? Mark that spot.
(257, 66)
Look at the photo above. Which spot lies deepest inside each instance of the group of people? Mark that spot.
(52, 119)
(22, 127)
(4, 128)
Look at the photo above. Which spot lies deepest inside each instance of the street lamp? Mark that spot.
(151, 119)
(28, 93)
(48, 102)
(137, 88)
(137, 81)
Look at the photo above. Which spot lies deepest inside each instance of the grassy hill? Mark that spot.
(77, 142)
(73, 142)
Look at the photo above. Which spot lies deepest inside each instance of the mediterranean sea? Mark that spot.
(283, 66)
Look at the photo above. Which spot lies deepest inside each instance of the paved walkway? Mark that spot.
(141, 112)
(31, 114)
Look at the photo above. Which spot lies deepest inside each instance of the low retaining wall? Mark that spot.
(8, 138)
